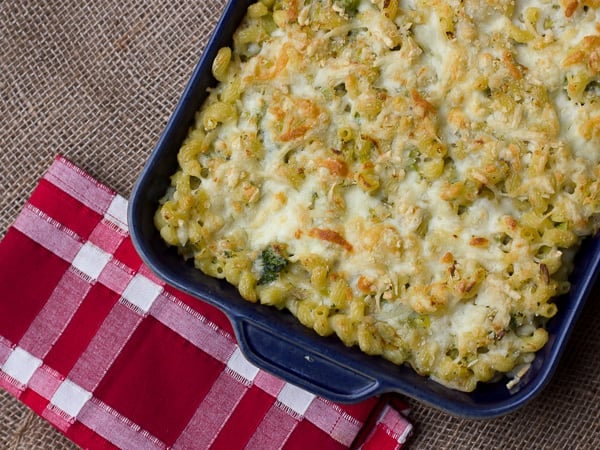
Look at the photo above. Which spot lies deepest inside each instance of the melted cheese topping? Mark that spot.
(411, 173)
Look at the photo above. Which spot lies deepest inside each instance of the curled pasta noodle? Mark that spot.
(257, 10)
(247, 286)
(321, 320)
(535, 341)
(304, 313)
(221, 63)
(217, 113)
(368, 341)
(273, 295)
(345, 328)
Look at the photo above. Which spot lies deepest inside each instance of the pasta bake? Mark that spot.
(413, 176)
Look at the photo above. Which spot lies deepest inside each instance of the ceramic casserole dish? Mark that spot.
(275, 341)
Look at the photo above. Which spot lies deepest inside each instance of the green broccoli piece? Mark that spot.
(273, 262)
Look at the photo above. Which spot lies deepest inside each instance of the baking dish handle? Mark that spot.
(292, 360)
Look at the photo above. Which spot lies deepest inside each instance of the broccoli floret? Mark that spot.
(273, 262)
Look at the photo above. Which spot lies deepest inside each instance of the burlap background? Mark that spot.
(96, 81)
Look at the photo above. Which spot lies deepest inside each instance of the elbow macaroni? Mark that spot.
(425, 167)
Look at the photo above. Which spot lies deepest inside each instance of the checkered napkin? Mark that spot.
(93, 342)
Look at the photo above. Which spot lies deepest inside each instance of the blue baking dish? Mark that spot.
(275, 341)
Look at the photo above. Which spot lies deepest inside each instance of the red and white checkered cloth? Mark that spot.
(92, 341)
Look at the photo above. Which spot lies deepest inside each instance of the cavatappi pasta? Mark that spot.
(411, 175)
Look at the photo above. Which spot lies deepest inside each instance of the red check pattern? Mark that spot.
(93, 342)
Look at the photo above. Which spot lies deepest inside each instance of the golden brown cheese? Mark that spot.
(410, 175)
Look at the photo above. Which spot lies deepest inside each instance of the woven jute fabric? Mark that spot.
(96, 81)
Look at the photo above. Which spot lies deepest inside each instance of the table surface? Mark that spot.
(96, 81)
